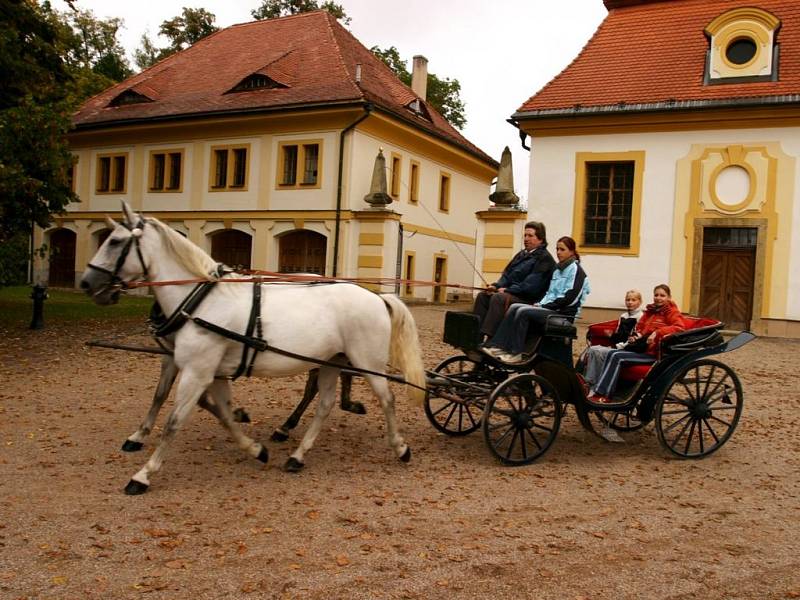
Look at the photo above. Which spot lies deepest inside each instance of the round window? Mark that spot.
(741, 51)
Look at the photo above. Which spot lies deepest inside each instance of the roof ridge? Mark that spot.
(329, 19)
(283, 18)
(572, 62)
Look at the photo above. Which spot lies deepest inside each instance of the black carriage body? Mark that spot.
(683, 369)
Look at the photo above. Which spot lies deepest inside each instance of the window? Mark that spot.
(742, 47)
(396, 172)
(72, 172)
(299, 164)
(111, 172)
(413, 188)
(609, 199)
(608, 202)
(229, 168)
(165, 170)
(408, 288)
(444, 192)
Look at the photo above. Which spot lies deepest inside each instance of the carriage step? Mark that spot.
(610, 435)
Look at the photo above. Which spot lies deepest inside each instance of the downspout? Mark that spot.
(367, 111)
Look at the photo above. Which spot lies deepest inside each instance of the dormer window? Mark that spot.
(418, 107)
(257, 81)
(742, 47)
(129, 97)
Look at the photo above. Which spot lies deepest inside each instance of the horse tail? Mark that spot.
(404, 350)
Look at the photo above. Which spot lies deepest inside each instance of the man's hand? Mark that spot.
(501, 290)
(491, 288)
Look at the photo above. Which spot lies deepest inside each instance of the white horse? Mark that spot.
(316, 321)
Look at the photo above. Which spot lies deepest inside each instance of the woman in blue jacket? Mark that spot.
(568, 289)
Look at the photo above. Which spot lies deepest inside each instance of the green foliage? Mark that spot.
(14, 255)
(191, 26)
(443, 94)
(272, 9)
(35, 107)
(65, 307)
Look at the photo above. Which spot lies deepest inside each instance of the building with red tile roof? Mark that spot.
(668, 148)
(259, 143)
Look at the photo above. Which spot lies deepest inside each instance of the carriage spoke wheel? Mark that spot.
(463, 416)
(521, 419)
(700, 410)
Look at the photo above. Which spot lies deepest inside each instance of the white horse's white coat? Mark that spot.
(314, 320)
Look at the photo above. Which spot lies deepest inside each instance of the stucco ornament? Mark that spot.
(504, 195)
(377, 197)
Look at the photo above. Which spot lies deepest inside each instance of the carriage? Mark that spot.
(694, 399)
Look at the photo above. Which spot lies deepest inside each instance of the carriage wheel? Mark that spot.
(521, 419)
(700, 409)
(454, 417)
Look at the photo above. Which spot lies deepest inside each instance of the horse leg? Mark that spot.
(357, 408)
(327, 397)
(281, 434)
(381, 388)
(168, 373)
(220, 390)
(206, 402)
(190, 388)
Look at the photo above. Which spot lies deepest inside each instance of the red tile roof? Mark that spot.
(654, 54)
(310, 53)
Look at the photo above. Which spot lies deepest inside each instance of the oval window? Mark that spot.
(741, 51)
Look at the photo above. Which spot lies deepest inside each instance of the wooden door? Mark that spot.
(232, 247)
(726, 291)
(440, 276)
(302, 252)
(62, 258)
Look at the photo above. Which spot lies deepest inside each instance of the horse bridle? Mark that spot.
(115, 281)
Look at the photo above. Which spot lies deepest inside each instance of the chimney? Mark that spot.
(419, 76)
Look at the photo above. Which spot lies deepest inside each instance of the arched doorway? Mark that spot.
(232, 247)
(302, 252)
(62, 258)
(101, 236)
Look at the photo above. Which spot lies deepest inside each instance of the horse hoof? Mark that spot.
(135, 488)
(263, 456)
(406, 455)
(131, 446)
(279, 436)
(240, 416)
(293, 465)
(355, 407)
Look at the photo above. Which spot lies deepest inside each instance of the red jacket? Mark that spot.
(663, 320)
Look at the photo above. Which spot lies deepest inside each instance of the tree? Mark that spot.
(191, 26)
(443, 94)
(272, 9)
(35, 108)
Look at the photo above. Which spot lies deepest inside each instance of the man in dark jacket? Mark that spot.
(525, 279)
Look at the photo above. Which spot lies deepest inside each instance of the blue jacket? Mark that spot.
(568, 289)
(528, 274)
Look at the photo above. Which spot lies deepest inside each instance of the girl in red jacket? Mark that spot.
(660, 319)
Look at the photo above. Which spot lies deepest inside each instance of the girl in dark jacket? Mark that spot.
(660, 319)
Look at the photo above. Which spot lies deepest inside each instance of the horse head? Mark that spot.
(118, 261)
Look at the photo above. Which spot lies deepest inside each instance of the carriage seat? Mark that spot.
(700, 332)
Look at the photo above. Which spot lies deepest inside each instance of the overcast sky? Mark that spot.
(501, 51)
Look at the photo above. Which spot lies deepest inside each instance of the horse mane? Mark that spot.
(191, 256)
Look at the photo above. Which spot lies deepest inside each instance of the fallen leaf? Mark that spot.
(342, 560)
(59, 580)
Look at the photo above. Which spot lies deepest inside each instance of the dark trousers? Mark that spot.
(491, 307)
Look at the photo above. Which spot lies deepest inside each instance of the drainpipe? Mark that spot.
(367, 111)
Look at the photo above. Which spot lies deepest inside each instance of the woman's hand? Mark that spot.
(651, 338)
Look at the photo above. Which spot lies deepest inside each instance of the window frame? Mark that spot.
(166, 177)
(444, 191)
(113, 174)
(409, 272)
(413, 182)
(230, 170)
(300, 167)
(396, 174)
(637, 157)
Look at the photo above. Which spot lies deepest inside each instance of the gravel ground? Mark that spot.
(590, 520)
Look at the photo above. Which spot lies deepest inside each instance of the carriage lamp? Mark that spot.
(38, 295)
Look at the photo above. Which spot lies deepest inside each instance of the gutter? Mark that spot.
(367, 110)
(646, 107)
